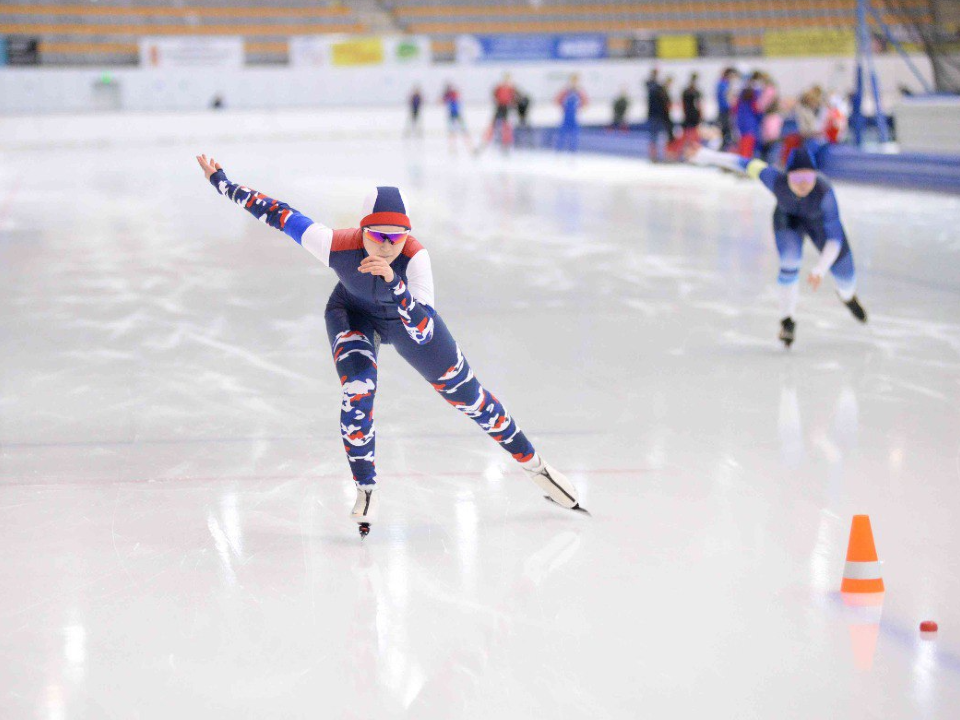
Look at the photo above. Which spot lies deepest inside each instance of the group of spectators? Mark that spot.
(752, 118)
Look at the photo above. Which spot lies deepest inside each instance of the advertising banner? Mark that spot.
(360, 51)
(190, 51)
(677, 47)
(308, 50)
(347, 51)
(716, 45)
(794, 43)
(3, 51)
(498, 48)
(409, 50)
(643, 46)
(21, 50)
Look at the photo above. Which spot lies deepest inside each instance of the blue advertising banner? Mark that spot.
(3, 51)
(493, 48)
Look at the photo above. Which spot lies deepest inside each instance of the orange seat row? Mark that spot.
(722, 24)
(628, 8)
(175, 12)
(244, 30)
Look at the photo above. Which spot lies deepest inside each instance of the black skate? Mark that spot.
(855, 308)
(364, 529)
(787, 327)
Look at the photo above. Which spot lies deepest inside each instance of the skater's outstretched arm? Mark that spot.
(757, 169)
(313, 236)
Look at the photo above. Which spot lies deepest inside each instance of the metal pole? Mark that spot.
(898, 46)
(867, 50)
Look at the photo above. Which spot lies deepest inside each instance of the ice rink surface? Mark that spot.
(174, 532)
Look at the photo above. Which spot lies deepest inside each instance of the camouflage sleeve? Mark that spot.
(274, 213)
(417, 317)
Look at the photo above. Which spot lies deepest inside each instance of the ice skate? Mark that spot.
(855, 308)
(787, 327)
(364, 509)
(558, 488)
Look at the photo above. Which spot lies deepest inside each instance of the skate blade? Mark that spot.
(576, 507)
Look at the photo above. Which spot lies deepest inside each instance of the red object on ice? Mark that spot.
(928, 626)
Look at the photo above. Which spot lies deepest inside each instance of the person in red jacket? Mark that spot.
(504, 98)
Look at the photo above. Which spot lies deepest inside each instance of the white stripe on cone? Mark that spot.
(862, 570)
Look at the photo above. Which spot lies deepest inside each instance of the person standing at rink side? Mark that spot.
(523, 107)
(621, 105)
(385, 295)
(726, 91)
(749, 116)
(504, 98)
(571, 100)
(692, 116)
(658, 117)
(414, 102)
(455, 124)
(806, 206)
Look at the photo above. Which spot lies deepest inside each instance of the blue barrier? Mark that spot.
(904, 170)
(913, 170)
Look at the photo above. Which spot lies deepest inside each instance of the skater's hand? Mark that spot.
(209, 166)
(814, 280)
(377, 266)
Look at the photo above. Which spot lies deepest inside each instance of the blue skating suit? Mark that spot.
(571, 101)
(364, 311)
(816, 216)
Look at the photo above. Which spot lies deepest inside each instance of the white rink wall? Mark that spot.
(141, 129)
(52, 90)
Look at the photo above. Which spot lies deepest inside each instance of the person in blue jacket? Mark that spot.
(806, 207)
(385, 296)
(571, 100)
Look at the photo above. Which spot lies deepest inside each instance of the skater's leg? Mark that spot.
(845, 277)
(790, 248)
(355, 358)
(441, 362)
(443, 365)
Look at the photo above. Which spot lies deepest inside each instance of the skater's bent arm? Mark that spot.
(415, 298)
(831, 216)
(420, 278)
(834, 231)
(828, 256)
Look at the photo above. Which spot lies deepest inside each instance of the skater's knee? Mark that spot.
(789, 275)
(353, 350)
(356, 402)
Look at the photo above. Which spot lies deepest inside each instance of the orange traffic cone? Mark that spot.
(861, 574)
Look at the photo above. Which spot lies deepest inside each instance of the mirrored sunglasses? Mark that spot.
(802, 175)
(394, 238)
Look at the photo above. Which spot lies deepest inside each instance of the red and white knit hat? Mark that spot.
(385, 206)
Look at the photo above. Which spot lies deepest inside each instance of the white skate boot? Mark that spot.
(558, 488)
(365, 508)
